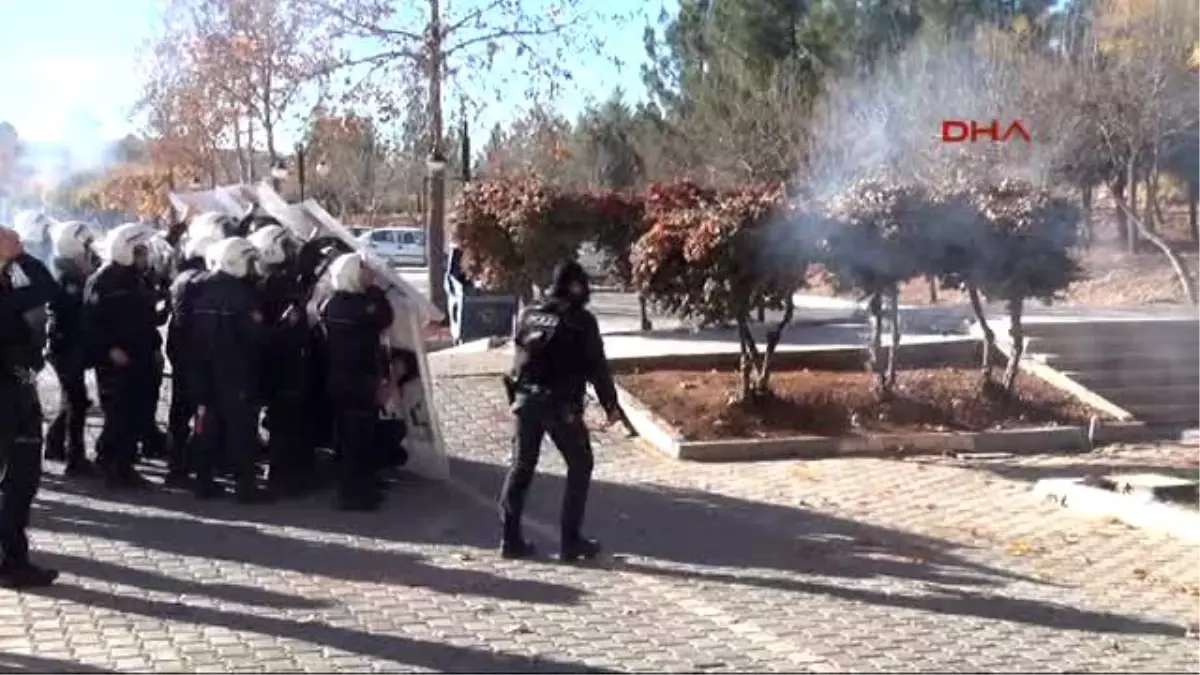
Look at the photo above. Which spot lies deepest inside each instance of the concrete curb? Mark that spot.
(1028, 441)
(1136, 510)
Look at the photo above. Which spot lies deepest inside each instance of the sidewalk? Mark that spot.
(832, 566)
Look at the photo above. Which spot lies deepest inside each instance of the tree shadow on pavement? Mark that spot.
(684, 534)
(20, 663)
(251, 545)
(161, 583)
(421, 653)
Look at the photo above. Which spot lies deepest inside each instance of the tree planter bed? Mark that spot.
(821, 413)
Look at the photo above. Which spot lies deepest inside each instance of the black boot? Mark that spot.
(26, 575)
(79, 467)
(517, 549)
(579, 548)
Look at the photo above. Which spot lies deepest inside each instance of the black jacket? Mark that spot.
(283, 308)
(64, 321)
(356, 360)
(226, 339)
(183, 294)
(564, 357)
(120, 311)
(20, 342)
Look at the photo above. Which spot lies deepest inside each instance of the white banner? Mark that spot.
(413, 403)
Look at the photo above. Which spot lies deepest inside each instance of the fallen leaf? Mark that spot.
(1140, 574)
(1019, 547)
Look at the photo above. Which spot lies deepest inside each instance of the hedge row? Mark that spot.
(719, 255)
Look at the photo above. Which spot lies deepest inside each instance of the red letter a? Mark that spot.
(1017, 128)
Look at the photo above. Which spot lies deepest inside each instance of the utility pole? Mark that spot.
(435, 225)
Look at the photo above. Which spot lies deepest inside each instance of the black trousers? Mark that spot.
(126, 392)
(179, 422)
(290, 447)
(229, 433)
(357, 450)
(20, 468)
(534, 420)
(64, 437)
(153, 440)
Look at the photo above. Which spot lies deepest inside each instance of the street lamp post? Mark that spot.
(434, 228)
(300, 168)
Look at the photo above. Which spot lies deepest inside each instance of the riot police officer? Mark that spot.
(353, 318)
(25, 285)
(75, 259)
(226, 340)
(180, 353)
(290, 445)
(120, 322)
(558, 352)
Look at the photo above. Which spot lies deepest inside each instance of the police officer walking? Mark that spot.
(180, 353)
(558, 352)
(226, 341)
(290, 446)
(120, 320)
(354, 318)
(25, 285)
(74, 261)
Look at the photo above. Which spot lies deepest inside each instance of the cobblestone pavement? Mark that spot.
(864, 565)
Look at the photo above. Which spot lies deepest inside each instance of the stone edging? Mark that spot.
(669, 440)
(1130, 509)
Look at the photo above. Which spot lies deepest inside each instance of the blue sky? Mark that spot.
(68, 68)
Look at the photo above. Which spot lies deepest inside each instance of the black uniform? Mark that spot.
(154, 441)
(357, 364)
(180, 353)
(20, 419)
(290, 446)
(558, 352)
(227, 337)
(64, 437)
(120, 312)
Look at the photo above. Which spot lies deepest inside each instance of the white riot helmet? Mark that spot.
(127, 243)
(198, 247)
(162, 255)
(233, 255)
(72, 240)
(210, 224)
(33, 227)
(346, 273)
(274, 243)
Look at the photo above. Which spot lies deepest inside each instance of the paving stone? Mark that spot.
(862, 565)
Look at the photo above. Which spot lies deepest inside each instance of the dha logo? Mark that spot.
(960, 131)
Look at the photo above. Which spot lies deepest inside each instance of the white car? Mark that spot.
(397, 245)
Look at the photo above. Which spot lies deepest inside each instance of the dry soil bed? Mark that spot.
(835, 403)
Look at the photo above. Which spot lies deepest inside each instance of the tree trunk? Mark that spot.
(773, 337)
(1131, 239)
(1117, 188)
(894, 320)
(1193, 188)
(933, 291)
(1152, 215)
(1181, 271)
(875, 342)
(1016, 333)
(252, 165)
(989, 336)
(748, 359)
(1087, 232)
(644, 312)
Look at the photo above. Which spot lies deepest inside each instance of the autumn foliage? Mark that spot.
(144, 190)
(717, 256)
